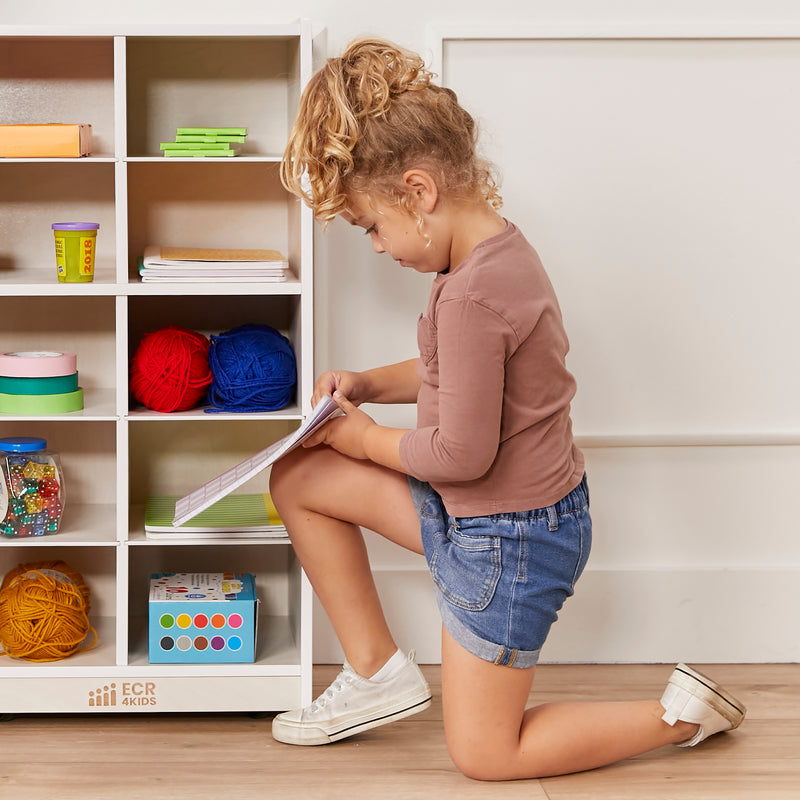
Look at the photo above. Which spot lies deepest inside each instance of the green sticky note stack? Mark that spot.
(205, 143)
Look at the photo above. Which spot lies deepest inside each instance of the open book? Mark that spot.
(200, 499)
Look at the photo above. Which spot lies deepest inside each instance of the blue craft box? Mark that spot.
(202, 618)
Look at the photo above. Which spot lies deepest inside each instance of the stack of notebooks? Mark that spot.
(237, 516)
(205, 143)
(212, 265)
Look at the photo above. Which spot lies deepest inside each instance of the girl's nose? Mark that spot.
(377, 244)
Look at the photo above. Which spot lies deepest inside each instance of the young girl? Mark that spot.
(489, 486)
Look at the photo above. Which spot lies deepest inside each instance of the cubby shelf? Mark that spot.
(135, 86)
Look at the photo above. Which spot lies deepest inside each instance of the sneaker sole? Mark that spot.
(710, 692)
(302, 734)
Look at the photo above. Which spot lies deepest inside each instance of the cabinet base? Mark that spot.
(125, 694)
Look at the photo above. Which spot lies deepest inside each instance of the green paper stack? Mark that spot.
(205, 143)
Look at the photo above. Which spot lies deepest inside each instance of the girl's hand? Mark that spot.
(346, 433)
(351, 384)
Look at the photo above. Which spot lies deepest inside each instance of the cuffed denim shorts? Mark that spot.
(501, 579)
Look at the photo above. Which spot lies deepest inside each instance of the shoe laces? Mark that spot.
(343, 680)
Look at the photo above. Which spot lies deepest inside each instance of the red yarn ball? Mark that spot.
(169, 370)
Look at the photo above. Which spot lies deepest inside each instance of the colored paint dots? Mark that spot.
(192, 640)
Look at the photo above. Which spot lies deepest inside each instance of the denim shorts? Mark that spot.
(501, 579)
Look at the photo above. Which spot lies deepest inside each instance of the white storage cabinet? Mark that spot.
(136, 87)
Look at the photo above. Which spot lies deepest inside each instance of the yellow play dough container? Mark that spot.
(75, 246)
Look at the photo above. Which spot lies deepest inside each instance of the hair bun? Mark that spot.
(375, 71)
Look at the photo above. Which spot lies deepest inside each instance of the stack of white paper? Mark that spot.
(201, 264)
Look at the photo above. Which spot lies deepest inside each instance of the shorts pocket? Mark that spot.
(584, 524)
(466, 568)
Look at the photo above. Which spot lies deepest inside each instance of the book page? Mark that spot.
(206, 495)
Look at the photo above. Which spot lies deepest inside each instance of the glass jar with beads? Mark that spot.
(31, 487)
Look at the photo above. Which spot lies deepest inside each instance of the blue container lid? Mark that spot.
(75, 226)
(22, 444)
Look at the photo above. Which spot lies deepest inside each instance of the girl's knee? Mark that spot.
(279, 476)
(287, 477)
(482, 763)
(478, 769)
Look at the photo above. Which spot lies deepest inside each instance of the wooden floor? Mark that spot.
(233, 757)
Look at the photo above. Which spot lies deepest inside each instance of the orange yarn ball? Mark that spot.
(169, 370)
(44, 612)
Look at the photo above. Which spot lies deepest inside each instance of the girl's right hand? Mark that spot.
(353, 385)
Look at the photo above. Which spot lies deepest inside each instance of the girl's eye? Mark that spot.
(371, 229)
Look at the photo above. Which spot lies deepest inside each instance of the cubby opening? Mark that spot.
(206, 204)
(216, 81)
(85, 326)
(35, 195)
(60, 79)
(174, 457)
(277, 586)
(211, 316)
(97, 567)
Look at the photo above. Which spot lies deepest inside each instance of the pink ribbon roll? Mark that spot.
(37, 364)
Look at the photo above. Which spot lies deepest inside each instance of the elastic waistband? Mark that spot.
(575, 500)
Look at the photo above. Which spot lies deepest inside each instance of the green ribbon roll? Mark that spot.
(34, 405)
(58, 384)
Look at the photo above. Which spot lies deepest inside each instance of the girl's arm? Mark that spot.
(395, 383)
(356, 434)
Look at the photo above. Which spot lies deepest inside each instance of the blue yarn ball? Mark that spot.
(254, 369)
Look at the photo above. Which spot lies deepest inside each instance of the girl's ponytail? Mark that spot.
(366, 117)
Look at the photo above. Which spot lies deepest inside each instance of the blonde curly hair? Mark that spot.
(370, 115)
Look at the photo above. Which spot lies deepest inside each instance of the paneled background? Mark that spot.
(657, 176)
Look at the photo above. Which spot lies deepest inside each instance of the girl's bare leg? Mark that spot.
(491, 735)
(324, 498)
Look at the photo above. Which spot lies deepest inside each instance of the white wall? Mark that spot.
(679, 305)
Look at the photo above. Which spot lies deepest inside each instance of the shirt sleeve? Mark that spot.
(473, 343)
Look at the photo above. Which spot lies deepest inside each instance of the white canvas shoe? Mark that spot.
(352, 704)
(692, 697)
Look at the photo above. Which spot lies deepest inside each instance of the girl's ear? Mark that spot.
(424, 189)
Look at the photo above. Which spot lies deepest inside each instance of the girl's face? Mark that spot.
(392, 230)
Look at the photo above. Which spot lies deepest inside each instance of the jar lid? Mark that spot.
(75, 226)
(22, 444)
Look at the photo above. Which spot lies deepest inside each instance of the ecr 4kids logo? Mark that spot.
(125, 693)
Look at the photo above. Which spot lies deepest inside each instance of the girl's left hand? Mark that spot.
(344, 433)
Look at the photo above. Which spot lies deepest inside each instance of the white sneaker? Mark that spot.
(352, 704)
(692, 697)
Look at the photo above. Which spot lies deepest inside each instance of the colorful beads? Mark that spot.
(34, 493)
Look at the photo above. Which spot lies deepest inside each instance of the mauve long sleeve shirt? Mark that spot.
(493, 432)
